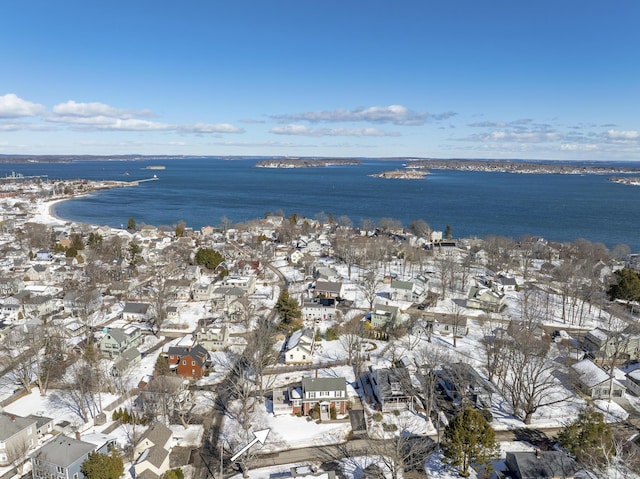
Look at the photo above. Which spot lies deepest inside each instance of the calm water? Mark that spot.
(202, 191)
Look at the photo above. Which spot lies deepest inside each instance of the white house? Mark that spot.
(596, 383)
(299, 347)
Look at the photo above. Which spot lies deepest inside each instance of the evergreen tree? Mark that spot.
(468, 439)
(588, 438)
(626, 285)
(447, 232)
(288, 308)
(209, 258)
(131, 224)
(162, 366)
(103, 466)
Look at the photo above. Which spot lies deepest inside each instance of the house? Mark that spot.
(485, 299)
(247, 268)
(77, 303)
(10, 286)
(327, 393)
(189, 361)
(38, 272)
(202, 291)
(505, 283)
(328, 289)
(318, 308)
(299, 347)
(61, 458)
(245, 283)
(633, 381)
(444, 324)
(541, 465)
(43, 255)
(138, 312)
(595, 382)
(391, 387)
(193, 273)
(460, 381)
(125, 361)
(120, 288)
(178, 289)
(40, 305)
(17, 436)
(118, 340)
(163, 394)
(406, 291)
(323, 273)
(212, 338)
(384, 315)
(157, 435)
(600, 344)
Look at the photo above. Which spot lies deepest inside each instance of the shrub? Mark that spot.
(333, 414)
(377, 416)
(331, 334)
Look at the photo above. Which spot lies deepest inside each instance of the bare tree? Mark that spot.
(429, 360)
(529, 382)
(369, 284)
(445, 268)
(17, 452)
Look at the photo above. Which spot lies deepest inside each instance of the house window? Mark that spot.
(291, 356)
(304, 357)
(193, 363)
(60, 469)
(75, 476)
(3, 458)
(184, 362)
(193, 372)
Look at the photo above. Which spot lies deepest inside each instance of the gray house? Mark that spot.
(541, 465)
(17, 436)
(61, 458)
(118, 340)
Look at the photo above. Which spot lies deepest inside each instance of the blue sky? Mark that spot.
(553, 79)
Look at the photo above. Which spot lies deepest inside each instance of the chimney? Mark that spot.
(316, 374)
(12, 417)
(77, 435)
(538, 453)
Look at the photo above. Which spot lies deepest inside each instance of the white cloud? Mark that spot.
(12, 106)
(24, 126)
(578, 147)
(210, 128)
(95, 123)
(396, 114)
(623, 135)
(86, 110)
(303, 130)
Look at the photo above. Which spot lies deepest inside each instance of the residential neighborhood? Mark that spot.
(168, 347)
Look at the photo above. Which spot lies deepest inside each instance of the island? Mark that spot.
(629, 180)
(306, 162)
(511, 166)
(406, 174)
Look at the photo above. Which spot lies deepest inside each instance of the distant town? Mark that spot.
(323, 348)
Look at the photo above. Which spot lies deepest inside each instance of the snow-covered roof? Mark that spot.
(590, 374)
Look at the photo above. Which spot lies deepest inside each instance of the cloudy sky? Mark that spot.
(548, 79)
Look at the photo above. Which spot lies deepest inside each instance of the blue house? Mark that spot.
(61, 458)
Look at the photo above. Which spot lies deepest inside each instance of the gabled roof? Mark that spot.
(64, 451)
(541, 464)
(136, 308)
(11, 424)
(329, 286)
(301, 337)
(591, 375)
(398, 284)
(324, 384)
(158, 434)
